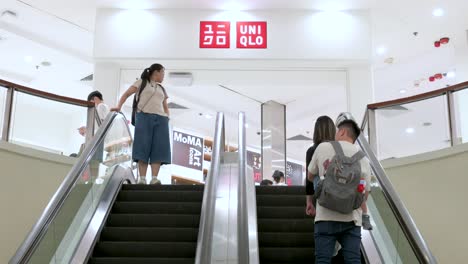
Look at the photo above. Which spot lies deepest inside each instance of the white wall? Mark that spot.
(30, 179)
(433, 188)
(174, 34)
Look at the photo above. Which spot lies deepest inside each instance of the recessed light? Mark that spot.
(402, 91)
(46, 63)
(246, 125)
(207, 116)
(426, 124)
(381, 50)
(451, 74)
(389, 60)
(438, 12)
(28, 59)
(409, 130)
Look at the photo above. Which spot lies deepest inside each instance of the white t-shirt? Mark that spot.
(151, 98)
(318, 166)
(102, 111)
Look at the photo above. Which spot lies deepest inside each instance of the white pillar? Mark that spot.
(107, 81)
(360, 90)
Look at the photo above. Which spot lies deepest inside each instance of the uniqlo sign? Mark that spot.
(251, 35)
(215, 34)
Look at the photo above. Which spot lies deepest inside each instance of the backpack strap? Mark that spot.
(358, 156)
(164, 91)
(338, 149)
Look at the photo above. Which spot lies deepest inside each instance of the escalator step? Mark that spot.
(160, 196)
(153, 220)
(149, 234)
(281, 200)
(146, 249)
(280, 190)
(142, 261)
(272, 239)
(284, 212)
(156, 208)
(293, 254)
(140, 187)
(286, 225)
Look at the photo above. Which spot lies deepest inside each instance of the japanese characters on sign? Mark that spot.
(215, 34)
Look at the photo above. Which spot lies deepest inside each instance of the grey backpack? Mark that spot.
(339, 190)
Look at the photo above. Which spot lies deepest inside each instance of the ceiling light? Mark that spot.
(409, 130)
(28, 59)
(246, 125)
(381, 50)
(208, 116)
(451, 74)
(402, 91)
(438, 12)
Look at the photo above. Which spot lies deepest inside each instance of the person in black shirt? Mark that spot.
(324, 130)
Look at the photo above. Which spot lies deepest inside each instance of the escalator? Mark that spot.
(98, 215)
(285, 232)
(151, 224)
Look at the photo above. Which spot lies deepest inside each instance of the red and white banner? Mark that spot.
(215, 34)
(252, 35)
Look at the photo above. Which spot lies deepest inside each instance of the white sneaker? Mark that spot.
(142, 181)
(155, 181)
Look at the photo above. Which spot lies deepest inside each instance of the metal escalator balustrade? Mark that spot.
(56, 234)
(395, 234)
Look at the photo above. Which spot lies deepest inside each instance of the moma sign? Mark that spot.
(187, 150)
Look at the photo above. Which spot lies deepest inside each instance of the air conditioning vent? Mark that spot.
(88, 78)
(180, 78)
(172, 105)
(300, 138)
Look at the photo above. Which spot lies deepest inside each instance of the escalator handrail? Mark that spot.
(205, 233)
(417, 242)
(120, 176)
(26, 249)
(248, 251)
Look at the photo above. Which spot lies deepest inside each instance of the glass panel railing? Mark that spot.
(461, 115)
(46, 124)
(395, 234)
(387, 233)
(73, 215)
(421, 126)
(3, 93)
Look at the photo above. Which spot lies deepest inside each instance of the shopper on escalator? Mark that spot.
(348, 175)
(278, 178)
(324, 131)
(152, 142)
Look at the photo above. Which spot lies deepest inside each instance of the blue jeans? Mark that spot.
(346, 233)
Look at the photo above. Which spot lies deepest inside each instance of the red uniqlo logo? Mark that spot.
(251, 35)
(215, 34)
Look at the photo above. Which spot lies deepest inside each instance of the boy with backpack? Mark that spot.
(344, 184)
